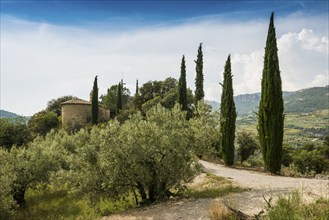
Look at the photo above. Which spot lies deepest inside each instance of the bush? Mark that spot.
(54, 105)
(247, 145)
(294, 208)
(287, 155)
(42, 122)
(204, 131)
(311, 158)
(33, 164)
(146, 157)
(7, 178)
(13, 132)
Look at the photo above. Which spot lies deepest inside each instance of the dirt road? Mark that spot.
(250, 202)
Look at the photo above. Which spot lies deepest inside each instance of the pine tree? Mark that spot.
(119, 100)
(199, 93)
(227, 116)
(270, 114)
(94, 103)
(182, 96)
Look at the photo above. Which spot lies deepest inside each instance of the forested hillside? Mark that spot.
(301, 101)
(6, 114)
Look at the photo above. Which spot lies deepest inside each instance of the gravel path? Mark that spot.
(261, 184)
(250, 202)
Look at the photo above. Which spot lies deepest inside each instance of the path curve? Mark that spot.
(261, 184)
(250, 202)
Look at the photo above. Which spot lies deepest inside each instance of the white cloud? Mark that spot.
(42, 61)
(303, 58)
(247, 72)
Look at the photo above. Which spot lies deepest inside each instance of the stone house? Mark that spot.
(77, 112)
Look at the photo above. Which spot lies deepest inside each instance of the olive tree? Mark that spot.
(147, 156)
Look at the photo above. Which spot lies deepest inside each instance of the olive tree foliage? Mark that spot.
(7, 178)
(110, 99)
(147, 156)
(204, 128)
(165, 93)
(42, 122)
(31, 165)
(13, 132)
(55, 104)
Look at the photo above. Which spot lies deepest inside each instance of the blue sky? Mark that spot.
(57, 47)
(66, 12)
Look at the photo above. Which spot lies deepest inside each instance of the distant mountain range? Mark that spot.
(6, 114)
(301, 101)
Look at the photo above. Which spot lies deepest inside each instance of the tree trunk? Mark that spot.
(19, 193)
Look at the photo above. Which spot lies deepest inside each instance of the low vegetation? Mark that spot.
(208, 185)
(218, 210)
(293, 207)
(143, 160)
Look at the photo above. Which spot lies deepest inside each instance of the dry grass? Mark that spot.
(219, 211)
(208, 181)
(207, 185)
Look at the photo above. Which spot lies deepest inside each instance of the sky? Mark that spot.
(54, 48)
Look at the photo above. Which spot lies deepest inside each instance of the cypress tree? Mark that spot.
(227, 116)
(94, 103)
(270, 114)
(199, 93)
(136, 92)
(182, 97)
(136, 100)
(119, 99)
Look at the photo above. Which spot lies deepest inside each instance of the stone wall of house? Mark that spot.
(75, 115)
(104, 114)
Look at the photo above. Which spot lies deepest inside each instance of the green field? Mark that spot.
(299, 128)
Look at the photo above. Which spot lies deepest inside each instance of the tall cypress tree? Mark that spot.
(182, 96)
(136, 91)
(227, 116)
(199, 93)
(136, 100)
(270, 114)
(119, 99)
(94, 103)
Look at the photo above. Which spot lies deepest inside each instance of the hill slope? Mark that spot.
(301, 101)
(6, 114)
(307, 100)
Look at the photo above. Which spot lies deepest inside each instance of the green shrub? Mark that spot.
(311, 158)
(7, 178)
(42, 122)
(294, 208)
(287, 154)
(204, 131)
(247, 145)
(13, 132)
(144, 156)
(33, 164)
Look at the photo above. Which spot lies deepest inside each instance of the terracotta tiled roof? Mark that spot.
(76, 101)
